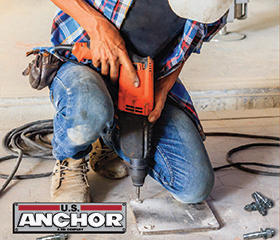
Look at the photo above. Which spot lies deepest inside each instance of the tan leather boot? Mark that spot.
(69, 181)
(106, 162)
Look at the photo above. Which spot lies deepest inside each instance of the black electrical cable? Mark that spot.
(28, 141)
(10, 177)
(240, 165)
(57, 54)
(240, 135)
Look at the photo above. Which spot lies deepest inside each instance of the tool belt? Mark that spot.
(152, 29)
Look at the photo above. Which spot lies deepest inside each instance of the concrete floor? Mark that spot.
(221, 66)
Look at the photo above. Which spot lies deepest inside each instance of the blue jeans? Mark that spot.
(85, 111)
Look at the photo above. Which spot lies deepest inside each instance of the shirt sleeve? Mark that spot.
(213, 28)
(194, 35)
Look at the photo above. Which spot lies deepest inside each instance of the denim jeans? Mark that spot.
(85, 111)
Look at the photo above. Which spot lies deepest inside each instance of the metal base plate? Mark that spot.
(229, 37)
(166, 215)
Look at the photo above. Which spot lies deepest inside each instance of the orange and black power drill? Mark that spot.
(134, 105)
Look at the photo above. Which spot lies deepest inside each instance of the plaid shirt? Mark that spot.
(65, 30)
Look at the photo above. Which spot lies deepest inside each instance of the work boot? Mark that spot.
(106, 162)
(69, 181)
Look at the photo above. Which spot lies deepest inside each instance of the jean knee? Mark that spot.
(93, 105)
(83, 106)
(196, 190)
(92, 117)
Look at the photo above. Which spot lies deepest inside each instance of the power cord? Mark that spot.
(30, 141)
(27, 141)
(240, 165)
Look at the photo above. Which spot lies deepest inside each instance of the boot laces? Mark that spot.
(105, 153)
(74, 173)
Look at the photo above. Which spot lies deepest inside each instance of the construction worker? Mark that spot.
(84, 96)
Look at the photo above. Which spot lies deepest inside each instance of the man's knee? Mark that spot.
(92, 102)
(196, 190)
(83, 104)
(94, 112)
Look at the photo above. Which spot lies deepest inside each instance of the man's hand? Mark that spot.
(107, 45)
(162, 87)
(108, 50)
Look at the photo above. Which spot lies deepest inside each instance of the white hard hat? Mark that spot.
(204, 11)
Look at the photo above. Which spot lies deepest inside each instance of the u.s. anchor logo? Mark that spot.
(69, 217)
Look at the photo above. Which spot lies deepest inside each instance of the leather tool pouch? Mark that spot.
(42, 69)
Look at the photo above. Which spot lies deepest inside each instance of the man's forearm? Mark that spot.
(168, 81)
(87, 16)
(162, 87)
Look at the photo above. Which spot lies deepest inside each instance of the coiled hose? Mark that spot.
(27, 141)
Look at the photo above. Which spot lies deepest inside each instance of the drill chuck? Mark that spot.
(138, 171)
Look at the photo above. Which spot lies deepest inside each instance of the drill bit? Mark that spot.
(137, 194)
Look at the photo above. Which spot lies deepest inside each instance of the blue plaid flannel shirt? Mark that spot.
(65, 30)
